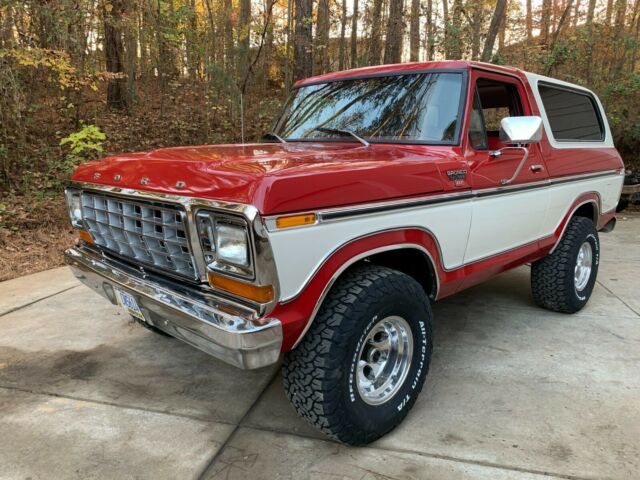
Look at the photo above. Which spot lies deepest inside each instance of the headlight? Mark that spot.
(225, 243)
(74, 205)
(232, 244)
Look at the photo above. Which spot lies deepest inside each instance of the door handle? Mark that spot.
(536, 168)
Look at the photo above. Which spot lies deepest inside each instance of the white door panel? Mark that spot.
(503, 222)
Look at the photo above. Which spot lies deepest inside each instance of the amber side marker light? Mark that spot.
(86, 236)
(260, 294)
(296, 220)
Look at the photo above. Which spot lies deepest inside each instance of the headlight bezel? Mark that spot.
(74, 210)
(214, 262)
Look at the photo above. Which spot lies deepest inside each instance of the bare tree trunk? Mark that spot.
(446, 27)
(545, 22)
(619, 52)
(429, 31)
(6, 28)
(343, 42)
(302, 50)
(212, 36)
(395, 32)
(576, 14)
(476, 27)
(556, 33)
(498, 14)
(287, 64)
(131, 43)
(143, 44)
(45, 14)
(172, 57)
(414, 32)
(375, 42)
(244, 33)
(590, 40)
(503, 30)
(529, 22)
(354, 35)
(114, 54)
(321, 43)
(634, 51)
(228, 37)
(454, 42)
(608, 13)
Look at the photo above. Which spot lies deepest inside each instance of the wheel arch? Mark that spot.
(392, 248)
(587, 205)
(392, 256)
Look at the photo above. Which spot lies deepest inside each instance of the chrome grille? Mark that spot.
(151, 233)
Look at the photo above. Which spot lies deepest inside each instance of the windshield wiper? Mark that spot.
(273, 135)
(343, 132)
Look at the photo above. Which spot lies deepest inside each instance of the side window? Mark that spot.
(572, 115)
(477, 132)
(493, 101)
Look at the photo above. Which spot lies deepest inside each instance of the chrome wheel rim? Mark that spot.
(584, 263)
(384, 360)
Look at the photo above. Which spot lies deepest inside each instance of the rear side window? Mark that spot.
(573, 115)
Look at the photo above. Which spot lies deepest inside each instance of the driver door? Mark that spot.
(508, 212)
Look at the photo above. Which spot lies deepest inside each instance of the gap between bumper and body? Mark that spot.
(220, 328)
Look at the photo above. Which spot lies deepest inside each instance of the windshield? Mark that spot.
(420, 107)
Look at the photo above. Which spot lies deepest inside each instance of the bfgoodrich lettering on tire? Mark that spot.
(564, 280)
(360, 367)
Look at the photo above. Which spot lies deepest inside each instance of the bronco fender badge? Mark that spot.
(144, 181)
(457, 175)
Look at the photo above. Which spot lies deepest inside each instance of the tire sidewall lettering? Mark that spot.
(419, 361)
(583, 295)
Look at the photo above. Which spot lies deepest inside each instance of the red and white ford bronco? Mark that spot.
(379, 191)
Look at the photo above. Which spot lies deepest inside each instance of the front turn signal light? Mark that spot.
(86, 236)
(296, 220)
(257, 293)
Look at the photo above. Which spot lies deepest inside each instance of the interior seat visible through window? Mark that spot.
(493, 102)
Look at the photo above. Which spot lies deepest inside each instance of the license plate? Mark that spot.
(129, 304)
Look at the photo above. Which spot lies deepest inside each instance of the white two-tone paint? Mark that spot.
(467, 230)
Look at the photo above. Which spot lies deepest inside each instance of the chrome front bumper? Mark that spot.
(216, 326)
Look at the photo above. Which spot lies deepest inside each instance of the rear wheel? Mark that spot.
(564, 280)
(359, 369)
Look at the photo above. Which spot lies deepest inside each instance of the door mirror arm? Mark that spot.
(525, 156)
(519, 131)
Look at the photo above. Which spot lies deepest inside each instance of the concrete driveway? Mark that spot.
(514, 392)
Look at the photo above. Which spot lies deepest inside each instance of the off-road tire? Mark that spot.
(319, 376)
(150, 327)
(552, 278)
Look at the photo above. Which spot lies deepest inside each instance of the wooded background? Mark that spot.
(83, 78)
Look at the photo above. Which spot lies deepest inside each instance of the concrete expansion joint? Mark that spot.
(115, 405)
(210, 464)
(623, 302)
(20, 307)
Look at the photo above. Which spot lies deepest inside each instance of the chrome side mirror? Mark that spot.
(521, 130)
(518, 131)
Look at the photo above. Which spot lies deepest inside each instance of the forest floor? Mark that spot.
(33, 235)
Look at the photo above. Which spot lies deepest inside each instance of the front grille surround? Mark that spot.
(151, 233)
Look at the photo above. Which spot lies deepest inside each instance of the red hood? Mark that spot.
(276, 178)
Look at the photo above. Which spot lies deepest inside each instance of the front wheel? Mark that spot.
(564, 280)
(359, 369)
